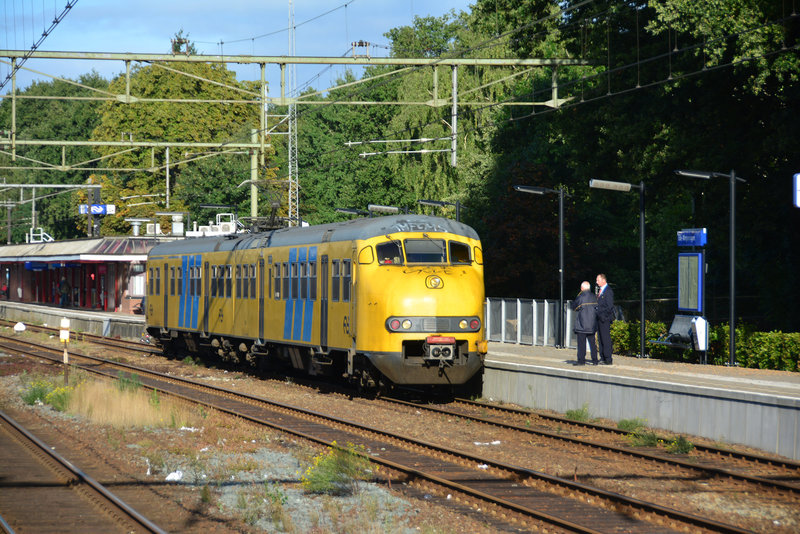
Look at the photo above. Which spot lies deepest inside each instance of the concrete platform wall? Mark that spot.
(769, 423)
(122, 326)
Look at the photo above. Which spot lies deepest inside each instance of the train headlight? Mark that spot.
(434, 282)
(406, 324)
(462, 324)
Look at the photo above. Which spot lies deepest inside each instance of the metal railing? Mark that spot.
(527, 322)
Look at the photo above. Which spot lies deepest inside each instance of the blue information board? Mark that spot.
(692, 237)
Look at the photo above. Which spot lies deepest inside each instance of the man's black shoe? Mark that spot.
(604, 363)
(578, 363)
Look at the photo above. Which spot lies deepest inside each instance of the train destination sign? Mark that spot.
(797, 190)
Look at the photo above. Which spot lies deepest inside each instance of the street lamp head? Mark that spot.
(530, 189)
(694, 174)
(612, 186)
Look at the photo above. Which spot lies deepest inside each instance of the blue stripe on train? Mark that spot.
(298, 310)
(182, 301)
(287, 318)
(196, 297)
(308, 315)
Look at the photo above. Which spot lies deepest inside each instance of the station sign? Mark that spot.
(692, 237)
(797, 190)
(98, 209)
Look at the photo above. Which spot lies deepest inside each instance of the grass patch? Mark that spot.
(581, 414)
(337, 470)
(644, 438)
(125, 407)
(43, 390)
(632, 425)
(680, 445)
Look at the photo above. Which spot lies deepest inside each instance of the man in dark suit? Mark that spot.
(585, 322)
(605, 314)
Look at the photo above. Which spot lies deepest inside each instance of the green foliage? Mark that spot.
(129, 382)
(632, 425)
(337, 470)
(680, 445)
(581, 414)
(643, 438)
(45, 391)
(36, 391)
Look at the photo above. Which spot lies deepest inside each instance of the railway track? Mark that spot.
(770, 474)
(511, 496)
(34, 476)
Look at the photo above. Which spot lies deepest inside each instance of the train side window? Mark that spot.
(238, 281)
(213, 288)
(150, 281)
(459, 252)
(199, 282)
(335, 283)
(221, 281)
(346, 280)
(304, 280)
(191, 281)
(245, 281)
(389, 253)
(286, 281)
(294, 294)
(158, 280)
(312, 281)
(228, 281)
(277, 294)
(478, 255)
(172, 281)
(180, 281)
(365, 257)
(252, 281)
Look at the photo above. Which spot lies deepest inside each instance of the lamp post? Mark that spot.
(624, 186)
(441, 204)
(703, 175)
(560, 191)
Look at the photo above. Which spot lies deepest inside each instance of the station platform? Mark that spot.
(753, 407)
(120, 325)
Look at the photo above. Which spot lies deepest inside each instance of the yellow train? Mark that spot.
(380, 301)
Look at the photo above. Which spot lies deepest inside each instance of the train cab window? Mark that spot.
(304, 280)
(180, 281)
(346, 279)
(238, 281)
(459, 252)
(158, 281)
(390, 253)
(286, 281)
(150, 281)
(228, 281)
(425, 250)
(312, 280)
(335, 280)
(252, 281)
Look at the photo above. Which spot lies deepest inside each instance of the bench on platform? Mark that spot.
(679, 335)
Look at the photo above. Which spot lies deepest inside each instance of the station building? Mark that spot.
(104, 273)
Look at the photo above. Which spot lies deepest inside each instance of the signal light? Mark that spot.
(475, 324)
(395, 324)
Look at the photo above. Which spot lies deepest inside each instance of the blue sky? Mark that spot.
(324, 28)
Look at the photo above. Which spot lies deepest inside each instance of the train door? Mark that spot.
(323, 302)
(261, 282)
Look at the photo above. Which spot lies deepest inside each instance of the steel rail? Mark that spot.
(676, 462)
(518, 474)
(42, 448)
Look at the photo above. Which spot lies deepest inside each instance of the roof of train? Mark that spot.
(363, 228)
